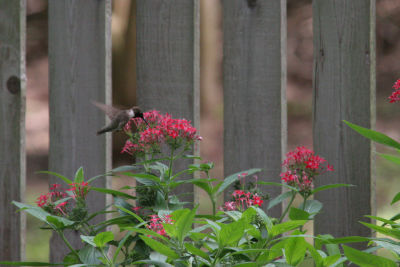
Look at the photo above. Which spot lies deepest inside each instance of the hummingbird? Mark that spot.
(118, 117)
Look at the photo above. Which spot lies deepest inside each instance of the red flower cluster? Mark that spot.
(156, 224)
(47, 201)
(162, 129)
(79, 189)
(302, 165)
(243, 201)
(395, 96)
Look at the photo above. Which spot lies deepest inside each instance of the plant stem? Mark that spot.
(67, 243)
(212, 196)
(105, 257)
(287, 207)
(303, 206)
(166, 190)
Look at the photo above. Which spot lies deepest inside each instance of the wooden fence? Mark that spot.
(168, 76)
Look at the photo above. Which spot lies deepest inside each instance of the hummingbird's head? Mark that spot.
(137, 113)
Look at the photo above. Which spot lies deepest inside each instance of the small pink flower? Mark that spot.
(230, 205)
(136, 209)
(396, 85)
(42, 200)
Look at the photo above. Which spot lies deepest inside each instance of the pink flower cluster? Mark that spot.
(243, 201)
(161, 129)
(156, 224)
(395, 96)
(302, 165)
(46, 201)
(79, 189)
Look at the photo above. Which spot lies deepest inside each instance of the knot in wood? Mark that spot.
(251, 3)
(14, 85)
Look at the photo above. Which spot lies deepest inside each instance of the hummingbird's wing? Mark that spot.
(109, 110)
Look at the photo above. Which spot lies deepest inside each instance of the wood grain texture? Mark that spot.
(12, 128)
(254, 89)
(80, 61)
(167, 68)
(344, 86)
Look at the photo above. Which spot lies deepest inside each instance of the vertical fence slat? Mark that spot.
(254, 88)
(79, 60)
(344, 82)
(12, 127)
(166, 61)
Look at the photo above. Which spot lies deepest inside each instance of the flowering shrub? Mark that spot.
(239, 234)
(302, 166)
(161, 129)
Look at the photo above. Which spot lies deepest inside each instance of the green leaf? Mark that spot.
(112, 192)
(313, 206)
(190, 157)
(374, 135)
(103, 238)
(248, 215)
(231, 233)
(395, 199)
(385, 221)
(130, 213)
(90, 255)
(329, 186)
(365, 259)
(234, 177)
(347, 239)
(71, 259)
(279, 199)
(65, 179)
(391, 158)
(121, 244)
(314, 253)
(159, 247)
(264, 217)
(41, 214)
(183, 222)
(57, 224)
(330, 260)
(244, 264)
(88, 239)
(295, 250)
(298, 214)
(125, 168)
(392, 246)
(281, 228)
(28, 263)
(146, 232)
(395, 233)
(79, 178)
(153, 262)
(203, 184)
(196, 251)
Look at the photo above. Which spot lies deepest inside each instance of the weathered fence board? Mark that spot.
(12, 127)
(80, 61)
(344, 86)
(254, 88)
(167, 61)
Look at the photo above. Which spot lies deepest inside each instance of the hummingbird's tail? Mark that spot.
(104, 130)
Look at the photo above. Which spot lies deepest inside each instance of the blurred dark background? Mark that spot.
(299, 91)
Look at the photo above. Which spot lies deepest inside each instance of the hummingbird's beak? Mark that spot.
(145, 122)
